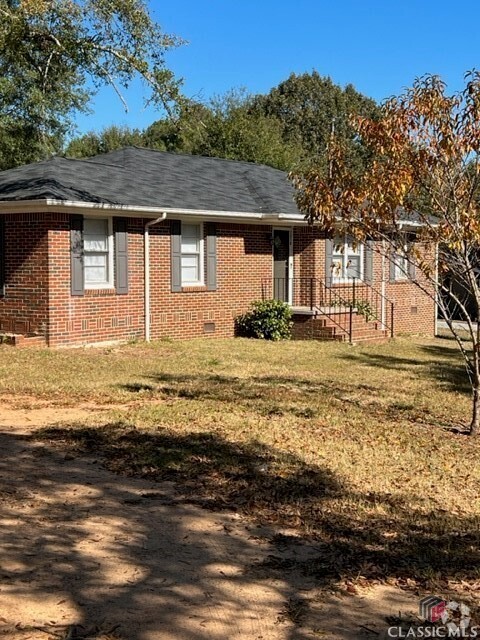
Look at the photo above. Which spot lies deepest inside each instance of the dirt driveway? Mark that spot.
(89, 554)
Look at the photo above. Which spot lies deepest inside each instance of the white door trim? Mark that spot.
(290, 261)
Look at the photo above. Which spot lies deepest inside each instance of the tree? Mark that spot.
(184, 134)
(225, 127)
(239, 132)
(309, 106)
(54, 55)
(286, 128)
(424, 164)
(109, 139)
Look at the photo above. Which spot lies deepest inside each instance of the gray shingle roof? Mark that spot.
(143, 177)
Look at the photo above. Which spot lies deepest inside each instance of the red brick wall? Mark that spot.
(414, 311)
(309, 252)
(99, 315)
(243, 259)
(38, 298)
(24, 308)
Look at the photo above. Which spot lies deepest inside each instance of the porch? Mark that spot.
(349, 311)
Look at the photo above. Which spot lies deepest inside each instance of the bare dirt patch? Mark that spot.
(88, 554)
(25, 413)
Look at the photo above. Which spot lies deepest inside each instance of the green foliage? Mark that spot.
(110, 139)
(184, 134)
(226, 127)
(289, 127)
(309, 107)
(55, 55)
(362, 307)
(239, 132)
(365, 309)
(268, 319)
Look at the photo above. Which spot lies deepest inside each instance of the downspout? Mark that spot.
(146, 244)
(384, 284)
(438, 292)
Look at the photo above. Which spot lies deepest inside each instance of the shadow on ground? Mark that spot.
(447, 369)
(200, 537)
(307, 398)
(264, 395)
(373, 535)
(89, 554)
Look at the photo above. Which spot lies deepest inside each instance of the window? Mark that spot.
(192, 255)
(347, 259)
(401, 266)
(98, 253)
(2, 257)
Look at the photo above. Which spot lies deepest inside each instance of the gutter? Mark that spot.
(20, 206)
(438, 291)
(38, 206)
(102, 208)
(146, 245)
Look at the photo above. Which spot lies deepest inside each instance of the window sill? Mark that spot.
(194, 288)
(106, 291)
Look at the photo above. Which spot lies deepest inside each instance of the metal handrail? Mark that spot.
(317, 295)
(338, 303)
(365, 292)
(311, 293)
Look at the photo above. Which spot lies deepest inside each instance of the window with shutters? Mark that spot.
(400, 262)
(347, 259)
(192, 255)
(2, 257)
(402, 259)
(98, 253)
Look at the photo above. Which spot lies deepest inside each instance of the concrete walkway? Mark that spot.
(458, 324)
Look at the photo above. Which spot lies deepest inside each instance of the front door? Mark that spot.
(281, 254)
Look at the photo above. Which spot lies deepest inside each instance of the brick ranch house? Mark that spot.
(145, 244)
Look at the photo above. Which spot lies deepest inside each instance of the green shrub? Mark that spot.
(365, 309)
(268, 319)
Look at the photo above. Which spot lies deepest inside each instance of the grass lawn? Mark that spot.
(355, 448)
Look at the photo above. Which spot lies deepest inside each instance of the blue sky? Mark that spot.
(378, 46)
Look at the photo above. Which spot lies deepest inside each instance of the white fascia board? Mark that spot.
(290, 218)
(400, 223)
(412, 224)
(101, 208)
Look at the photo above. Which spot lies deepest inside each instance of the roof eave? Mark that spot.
(121, 210)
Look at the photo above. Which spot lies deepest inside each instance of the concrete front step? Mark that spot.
(356, 337)
(344, 319)
(322, 327)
